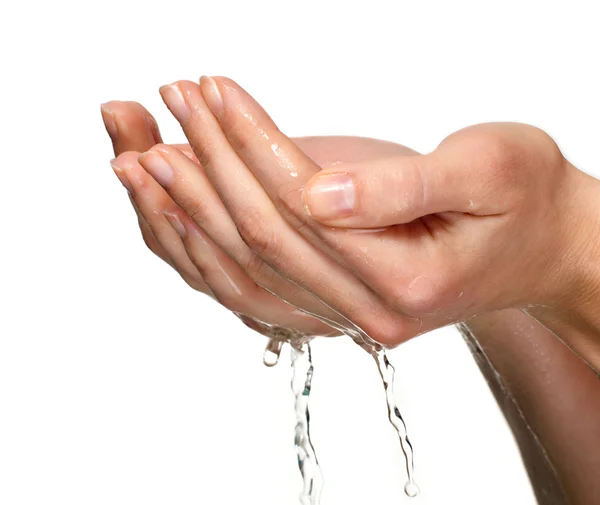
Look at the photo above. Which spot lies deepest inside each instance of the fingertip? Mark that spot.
(224, 82)
(212, 95)
(162, 148)
(120, 168)
(126, 160)
(130, 125)
(109, 106)
(110, 120)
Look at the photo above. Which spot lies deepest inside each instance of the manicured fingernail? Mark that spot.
(122, 176)
(158, 167)
(110, 123)
(173, 97)
(330, 196)
(176, 223)
(212, 95)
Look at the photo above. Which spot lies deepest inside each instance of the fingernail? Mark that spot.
(173, 97)
(212, 95)
(110, 123)
(331, 196)
(121, 175)
(152, 128)
(176, 223)
(158, 167)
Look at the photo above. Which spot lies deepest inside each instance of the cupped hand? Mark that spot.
(134, 130)
(477, 225)
(535, 368)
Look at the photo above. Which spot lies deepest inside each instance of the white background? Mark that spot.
(120, 385)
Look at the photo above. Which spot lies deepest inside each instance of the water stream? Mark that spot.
(302, 373)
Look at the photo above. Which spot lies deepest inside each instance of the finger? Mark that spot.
(262, 227)
(133, 128)
(227, 288)
(130, 126)
(408, 186)
(190, 188)
(148, 235)
(402, 280)
(231, 285)
(466, 173)
(390, 191)
(256, 140)
(281, 167)
(150, 199)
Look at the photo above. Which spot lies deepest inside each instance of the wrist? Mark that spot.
(575, 308)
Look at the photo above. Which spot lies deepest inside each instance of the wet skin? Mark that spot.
(209, 239)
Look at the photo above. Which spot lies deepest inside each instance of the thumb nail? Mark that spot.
(330, 196)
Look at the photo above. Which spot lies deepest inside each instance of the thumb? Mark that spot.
(386, 191)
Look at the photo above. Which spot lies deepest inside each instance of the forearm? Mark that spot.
(545, 392)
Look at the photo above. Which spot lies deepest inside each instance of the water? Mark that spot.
(312, 478)
(272, 352)
(302, 373)
(386, 370)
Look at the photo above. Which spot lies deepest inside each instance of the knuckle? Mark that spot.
(499, 157)
(241, 135)
(424, 295)
(200, 265)
(259, 236)
(492, 151)
(494, 148)
(205, 152)
(387, 329)
(150, 241)
(259, 271)
(198, 210)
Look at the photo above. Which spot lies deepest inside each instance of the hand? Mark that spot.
(474, 230)
(510, 340)
(132, 129)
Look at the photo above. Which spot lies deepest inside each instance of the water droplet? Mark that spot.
(272, 352)
(411, 489)
(269, 358)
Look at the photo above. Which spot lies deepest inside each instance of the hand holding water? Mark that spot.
(493, 218)
(202, 264)
(495, 211)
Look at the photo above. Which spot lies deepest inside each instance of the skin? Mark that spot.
(504, 218)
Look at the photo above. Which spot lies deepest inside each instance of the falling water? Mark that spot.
(301, 383)
(307, 459)
(386, 370)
